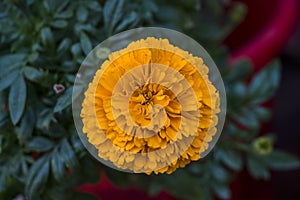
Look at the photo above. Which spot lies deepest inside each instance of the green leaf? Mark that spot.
(3, 112)
(233, 130)
(55, 130)
(247, 118)
(64, 15)
(8, 61)
(2, 181)
(93, 5)
(68, 155)
(240, 70)
(280, 160)
(265, 83)
(39, 144)
(75, 49)
(47, 6)
(32, 74)
(222, 191)
(129, 21)
(219, 173)
(257, 168)
(113, 14)
(60, 24)
(57, 166)
(60, 5)
(64, 101)
(262, 113)
(215, 7)
(44, 118)
(37, 178)
(47, 36)
(82, 14)
(77, 144)
(27, 125)
(237, 93)
(64, 45)
(188, 189)
(17, 99)
(9, 67)
(231, 158)
(85, 43)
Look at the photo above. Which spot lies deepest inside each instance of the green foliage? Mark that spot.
(44, 42)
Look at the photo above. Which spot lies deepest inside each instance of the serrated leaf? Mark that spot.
(37, 178)
(257, 168)
(279, 160)
(262, 113)
(85, 43)
(64, 101)
(32, 74)
(17, 99)
(247, 118)
(222, 191)
(68, 155)
(219, 173)
(9, 67)
(231, 158)
(265, 83)
(236, 93)
(233, 130)
(39, 144)
(82, 14)
(76, 143)
(57, 166)
(240, 70)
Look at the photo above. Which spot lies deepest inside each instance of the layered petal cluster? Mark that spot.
(151, 108)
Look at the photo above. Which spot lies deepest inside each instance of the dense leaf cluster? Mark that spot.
(42, 43)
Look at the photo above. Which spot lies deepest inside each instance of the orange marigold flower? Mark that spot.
(151, 108)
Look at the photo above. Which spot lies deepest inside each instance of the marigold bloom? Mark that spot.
(151, 108)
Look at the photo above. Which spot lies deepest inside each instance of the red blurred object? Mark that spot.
(260, 37)
(107, 191)
(264, 31)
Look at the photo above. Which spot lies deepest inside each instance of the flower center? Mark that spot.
(148, 102)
